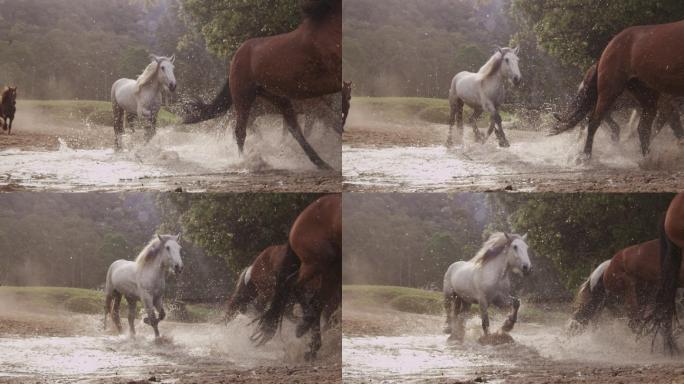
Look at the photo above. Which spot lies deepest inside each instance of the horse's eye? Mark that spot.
(507, 59)
(515, 247)
(168, 248)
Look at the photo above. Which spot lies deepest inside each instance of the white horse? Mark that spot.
(143, 279)
(142, 97)
(484, 280)
(483, 91)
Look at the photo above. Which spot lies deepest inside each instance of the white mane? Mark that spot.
(149, 73)
(493, 64)
(495, 240)
(150, 250)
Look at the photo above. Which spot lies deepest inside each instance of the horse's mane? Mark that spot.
(147, 75)
(320, 9)
(493, 247)
(494, 63)
(151, 250)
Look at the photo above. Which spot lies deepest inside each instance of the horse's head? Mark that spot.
(165, 71)
(347, 90)
(509, 64)
(171, 253)
(518, 259)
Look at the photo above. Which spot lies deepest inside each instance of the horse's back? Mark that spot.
(316, 234)
(121, 277)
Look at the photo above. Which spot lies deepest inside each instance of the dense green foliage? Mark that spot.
(78, 48)
(577, 31)
(226, 24)
(409, 240)
(234, 227)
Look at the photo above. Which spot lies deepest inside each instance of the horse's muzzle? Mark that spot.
(172, 87)
(178, 269)
(526, 269)
(516, 80)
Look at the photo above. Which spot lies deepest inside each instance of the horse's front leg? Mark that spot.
(158, 304)
(484, 315)
(513, 317)
(503, 142)
(151, 318)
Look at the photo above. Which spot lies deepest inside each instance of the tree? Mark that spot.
(225, 24)
(577, 31)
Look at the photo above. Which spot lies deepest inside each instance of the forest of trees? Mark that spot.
(71, 239)
(410, 240)
(76, 49)
(415, 47)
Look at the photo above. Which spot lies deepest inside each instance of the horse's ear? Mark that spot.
(507, 237)
(173, 58)
(516, 50)
(524, 237)
(178, 237)
(159, 237)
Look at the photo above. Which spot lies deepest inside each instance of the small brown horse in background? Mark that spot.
(312, 273)
(647, 61)
(8, 107)
(671, 244)
(256, 284)
(302, 64)
(584, 103)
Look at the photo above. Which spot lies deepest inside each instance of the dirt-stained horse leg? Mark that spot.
(151, 318)
(132, 309)
(648, 99)
(514, 303)
(115, 310)
(484, 306)
(286, 108)
(498, 130)
(449, 310)
(614, 128)
(118, 125)
(477, 112)
(455, 117)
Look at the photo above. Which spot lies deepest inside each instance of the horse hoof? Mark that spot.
(504, 144)
(146, 320)
(453, 339)
(582, 159)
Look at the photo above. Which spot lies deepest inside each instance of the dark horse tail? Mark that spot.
(582, 104)
(589, 301)
(197, 110)
(269, 322)
(663, 315)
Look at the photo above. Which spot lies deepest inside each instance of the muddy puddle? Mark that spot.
(185, 351)
(176, 157)
(539, 352)
(395, 158)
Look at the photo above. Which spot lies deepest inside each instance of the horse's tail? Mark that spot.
(237, 299)
(582, 104)
(272, 318)
(589, 301)
(197, 111)
(660, 320)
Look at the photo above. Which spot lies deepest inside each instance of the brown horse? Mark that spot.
(256, 283)
(302, 64)
(8, 107)
(647, 61)
(671, 244)
(585, 101)
(312, 273)
(630, 278)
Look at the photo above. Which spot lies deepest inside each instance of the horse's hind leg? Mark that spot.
(315, 326)
(115, 310)
(132, 309)
(448, 305)
(614, 128)
(286, 108)
(118, 124)
(484, 315)
(648, 99)
(513, 317)
(477, 112)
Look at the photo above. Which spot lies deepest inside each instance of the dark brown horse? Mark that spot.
(302, 64)
(8, 107)
(671, 244)
(256, 284)
(584, 103)
(647, 61)
(313, 272)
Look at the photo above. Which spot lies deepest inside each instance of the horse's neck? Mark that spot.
(498, 268)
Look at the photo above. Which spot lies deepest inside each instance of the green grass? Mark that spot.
(411, 108)
(87, 111)
(399, 298)
(88, 302)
